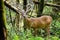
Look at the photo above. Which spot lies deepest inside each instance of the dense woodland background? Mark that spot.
(15, 23)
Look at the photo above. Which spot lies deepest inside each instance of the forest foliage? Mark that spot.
(16, 32)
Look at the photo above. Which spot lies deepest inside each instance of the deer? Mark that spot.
(42, 22)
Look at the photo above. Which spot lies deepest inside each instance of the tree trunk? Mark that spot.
(24, 7)
(40, 8)
(24, 4)
(2, 22)
(56, 9)
(17, 15)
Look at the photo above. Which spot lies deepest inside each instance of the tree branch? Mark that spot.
(11, 7)
(48, 4)
(52, 5)
(16, 10)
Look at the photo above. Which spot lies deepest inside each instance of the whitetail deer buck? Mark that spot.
(42, 22)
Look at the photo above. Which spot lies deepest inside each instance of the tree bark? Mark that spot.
(40, 8)
(24, 7)
(24, 4)
(2, 22)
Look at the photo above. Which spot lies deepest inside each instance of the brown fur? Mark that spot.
(42, 22)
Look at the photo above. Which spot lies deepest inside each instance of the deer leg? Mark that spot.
(35, 32)
(39, 32)
(47, 29)
(24, 28)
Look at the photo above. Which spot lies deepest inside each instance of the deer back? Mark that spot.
(40, 22)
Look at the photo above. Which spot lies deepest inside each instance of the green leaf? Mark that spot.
(54, 38)
(39, 38)
(16, 37)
